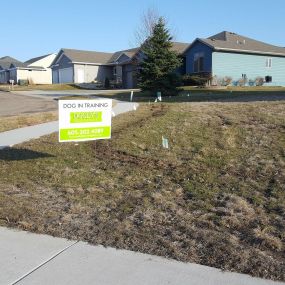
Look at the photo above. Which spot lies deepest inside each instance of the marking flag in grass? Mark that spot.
(159, 96)
(165, 142)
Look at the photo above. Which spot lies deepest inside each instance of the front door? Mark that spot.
(129, 80)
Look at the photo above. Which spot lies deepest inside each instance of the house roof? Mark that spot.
(128, 52)
(229, 41)
(106, 57)
(32, 60)
(87, 56)
(180, 48)
(18, 64)
(6, 61)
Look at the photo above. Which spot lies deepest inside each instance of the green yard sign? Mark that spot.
(83, 120)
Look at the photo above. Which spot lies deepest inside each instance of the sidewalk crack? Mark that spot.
(43, 263)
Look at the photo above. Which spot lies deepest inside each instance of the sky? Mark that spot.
(33, 28)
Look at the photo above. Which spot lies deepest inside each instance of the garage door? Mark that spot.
(66, 75)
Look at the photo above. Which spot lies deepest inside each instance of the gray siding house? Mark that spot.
(5, 64)
(79, 66)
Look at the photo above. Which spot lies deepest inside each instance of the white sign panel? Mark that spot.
(83, 120)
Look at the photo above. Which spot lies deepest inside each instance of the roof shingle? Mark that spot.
(87, 56)
(6, 61)
(109, 58)
(236, 43)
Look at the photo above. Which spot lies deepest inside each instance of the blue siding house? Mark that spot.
(237, 57)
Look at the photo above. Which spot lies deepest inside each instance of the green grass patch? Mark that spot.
(215, 197)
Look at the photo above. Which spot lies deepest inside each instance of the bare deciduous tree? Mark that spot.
(148, 20)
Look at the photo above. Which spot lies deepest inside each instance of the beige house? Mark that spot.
(34, 71)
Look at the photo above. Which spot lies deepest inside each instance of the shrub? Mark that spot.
(23, 82)
(196, 79)
(259, 81)
(242, 81)
(30, 81)
(251, 82)
(227, 80)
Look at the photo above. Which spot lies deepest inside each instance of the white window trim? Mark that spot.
(268, 63)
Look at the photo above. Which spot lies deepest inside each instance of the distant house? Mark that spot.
(34, 71)
(231, 55)
(79, 66)
(5, 63)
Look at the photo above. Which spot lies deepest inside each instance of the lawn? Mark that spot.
(191, 94)
(215, 197)
(15, 122)
(40, 87)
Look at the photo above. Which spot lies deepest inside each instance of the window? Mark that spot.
(268, 79)
(115, 71)
(199, 62)
(268, 62)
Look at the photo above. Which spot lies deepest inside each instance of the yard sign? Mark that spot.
(84, 120)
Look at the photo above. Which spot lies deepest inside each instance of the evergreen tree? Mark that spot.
(156, 72)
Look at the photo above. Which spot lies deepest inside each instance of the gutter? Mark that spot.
(87, 63)
(27, 68)
(250, 51)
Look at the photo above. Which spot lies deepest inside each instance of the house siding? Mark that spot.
(44, 62)
(93, 72)
(13, 75)
(129, 76)
(4, 76)
(61, 66)
(198, 47)
(235, 64)
(64, 62)
(122, 58)
(35, 76)
(90, 72)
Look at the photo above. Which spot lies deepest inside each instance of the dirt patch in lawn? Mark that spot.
(216, 197)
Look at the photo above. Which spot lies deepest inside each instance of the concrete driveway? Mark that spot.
(51, 94)
(16, 104)
(34, 101)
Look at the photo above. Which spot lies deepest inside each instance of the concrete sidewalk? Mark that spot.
(21, 135)
(32, 259)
